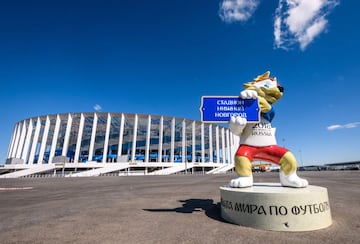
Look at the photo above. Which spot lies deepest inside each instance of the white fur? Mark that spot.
(292, 180)
(248, 94)
(241, 182)
(237, 124)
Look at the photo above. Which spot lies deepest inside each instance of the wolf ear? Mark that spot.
(262, 77)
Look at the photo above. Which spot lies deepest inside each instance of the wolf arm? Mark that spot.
(237, 124)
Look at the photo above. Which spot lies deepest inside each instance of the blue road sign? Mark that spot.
(220, 109)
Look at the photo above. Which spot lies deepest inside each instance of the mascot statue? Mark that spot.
(257, 140)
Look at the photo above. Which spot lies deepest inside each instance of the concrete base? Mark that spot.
(269, 206)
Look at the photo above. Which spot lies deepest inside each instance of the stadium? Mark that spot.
(100, 143)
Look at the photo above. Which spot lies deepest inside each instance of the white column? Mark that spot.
(210, 144)
(232, 148)
(16, 142)
(183, 141)
(67, 135)
(21, 141)
(121, 135)
(55, 138)
(107, 133)
(35, 141)
(79, 138)
(24, 154)
(161, 130)
(172, 143)
(13, 135)
(148, 134)
(202, 143)
(44, 140)
(193, 141)
(93, 135)
(223, 154)
(228, 147)
(217, 144)
(133, 149)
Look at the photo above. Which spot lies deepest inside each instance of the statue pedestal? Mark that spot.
(269, 206)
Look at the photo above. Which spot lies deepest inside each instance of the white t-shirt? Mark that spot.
(259, 134)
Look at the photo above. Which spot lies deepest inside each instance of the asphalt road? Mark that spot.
(156, 209)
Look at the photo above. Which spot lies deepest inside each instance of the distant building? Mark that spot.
(108, 138)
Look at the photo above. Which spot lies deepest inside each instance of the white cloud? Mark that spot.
(237, 10)
(333, 127)
(351, 125)
(97, 107)
(300, 21)
(345, 126)
(296, 21)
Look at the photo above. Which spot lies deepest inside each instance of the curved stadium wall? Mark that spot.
(118, 137)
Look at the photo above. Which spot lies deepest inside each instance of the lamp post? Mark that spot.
(301, 161)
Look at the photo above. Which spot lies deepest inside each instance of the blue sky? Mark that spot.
(160, 57)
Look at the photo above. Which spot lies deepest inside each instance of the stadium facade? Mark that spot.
(85, 144)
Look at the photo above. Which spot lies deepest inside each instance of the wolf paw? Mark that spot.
(248, 94)
(292, 180)
(237, 124)
(241, 182)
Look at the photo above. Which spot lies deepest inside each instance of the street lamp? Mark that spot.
(301, 161)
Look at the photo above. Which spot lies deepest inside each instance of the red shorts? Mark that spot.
(271, 153)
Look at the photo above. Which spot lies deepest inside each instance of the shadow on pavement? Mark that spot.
(211, 209)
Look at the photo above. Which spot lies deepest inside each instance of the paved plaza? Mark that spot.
(156, 209)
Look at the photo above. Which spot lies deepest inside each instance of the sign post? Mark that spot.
(219, 109)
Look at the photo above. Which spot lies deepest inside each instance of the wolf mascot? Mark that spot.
(257, 141)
